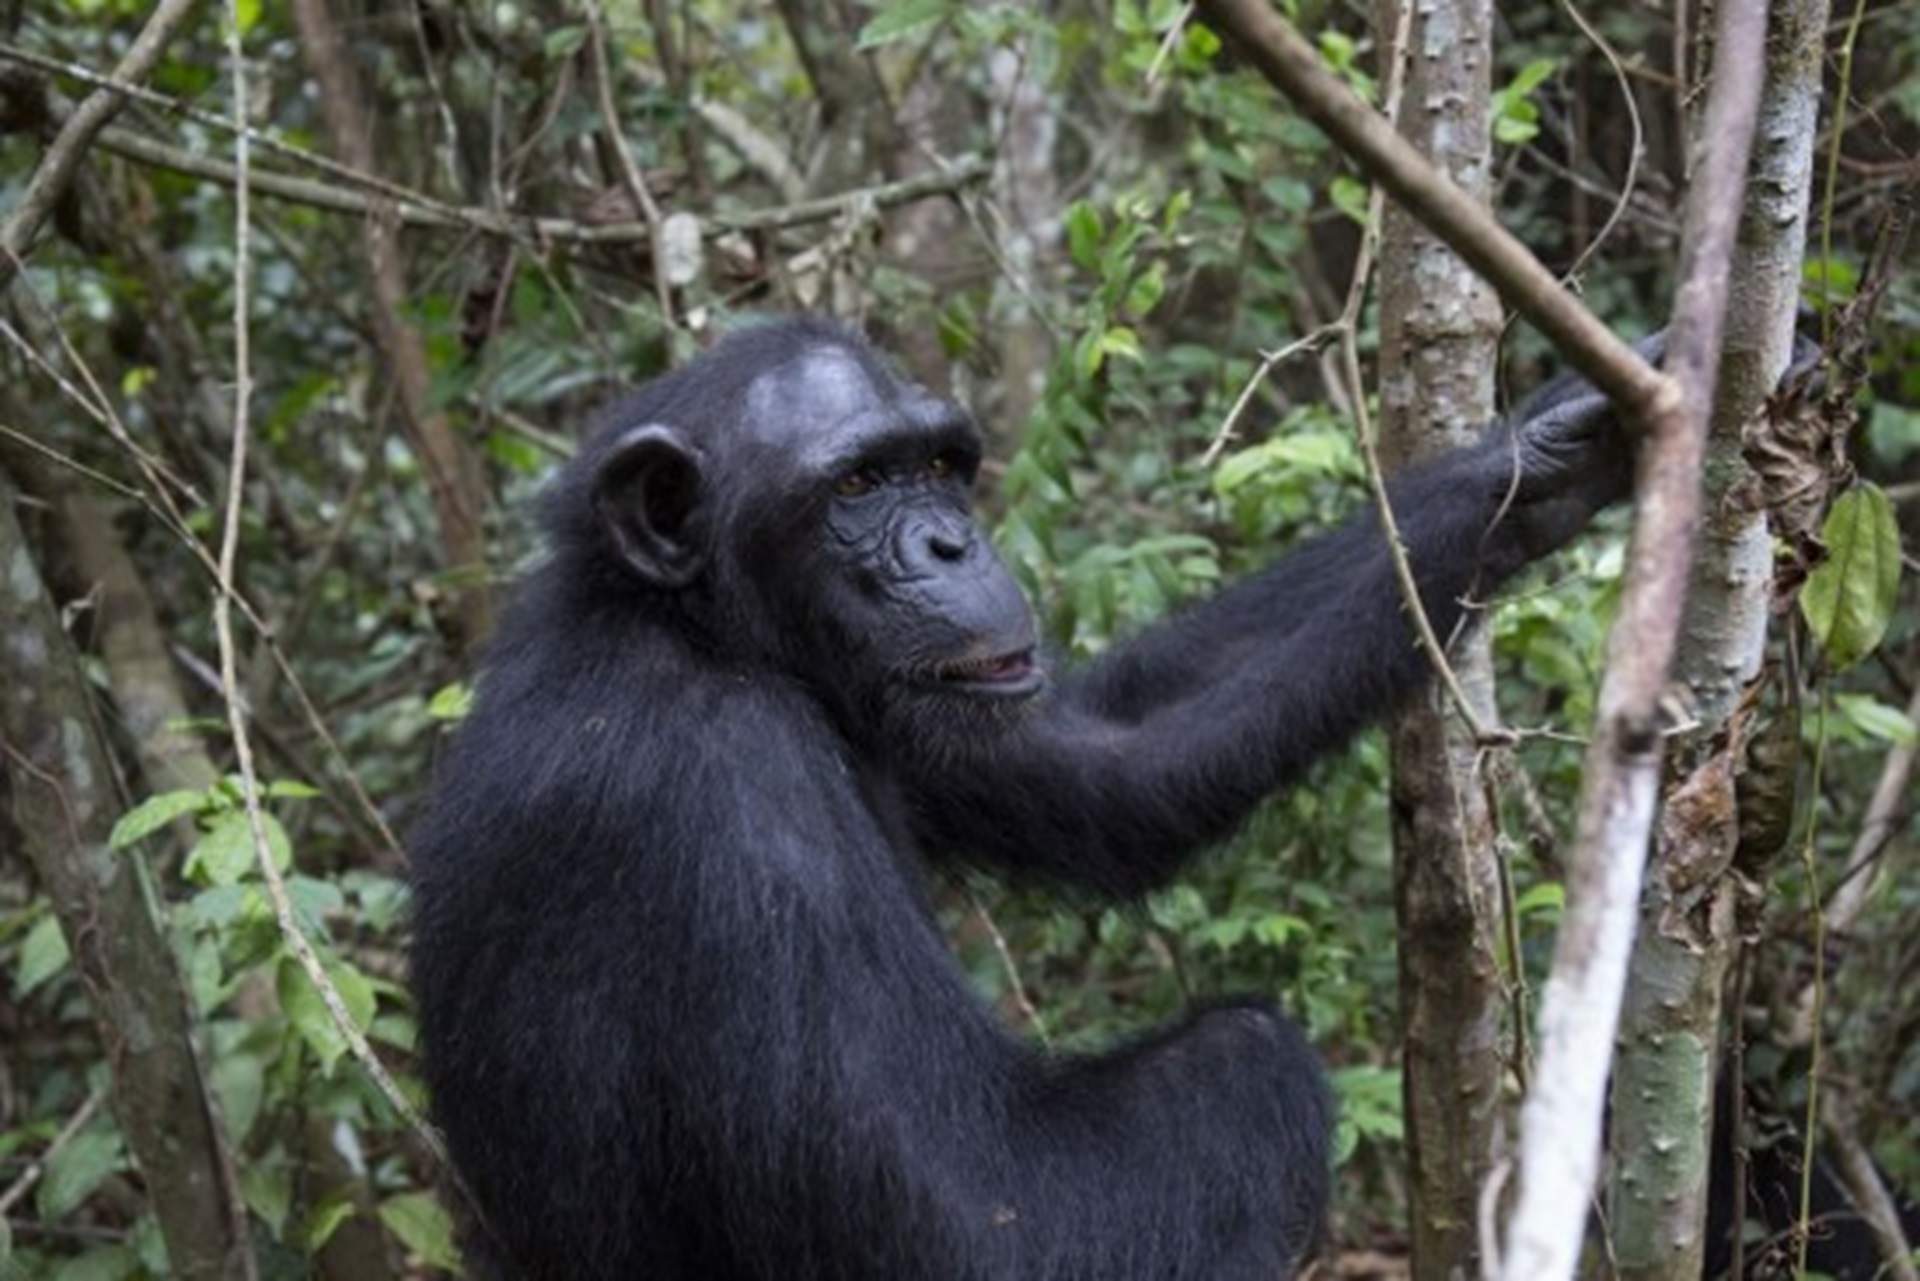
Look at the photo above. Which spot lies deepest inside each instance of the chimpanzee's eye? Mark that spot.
(860, 481)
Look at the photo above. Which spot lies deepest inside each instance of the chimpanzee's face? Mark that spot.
(884, 568)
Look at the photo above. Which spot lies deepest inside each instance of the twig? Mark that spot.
(1816, 993)
(1866, 1188)
(159, 501)
(290, 931)
(1736, 1119)
(1294, 67)
(31, 1175)
(636, 182)
(959, 173)
(1011, 967)
(64, 154)
(1884, 811)
(93, 402)
(1268, 359)
(1633, 153)
(1171, 39)
(1841, 94)
(264, 138)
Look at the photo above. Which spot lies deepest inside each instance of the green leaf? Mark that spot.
(247, 13)
(1122, 341)
(1351, 197)
(213, 908)
(1876, 719)
(1518, 124)
(1548, 896)
(1531, 76)
(154, 813)
(43, 954)
(900, 20)
(1144, 294)
(304, 1008)
(267, 1188)
(1277, 929)
(1848, 600)
(1337, 48)
(1224, 933)
(1516, 119)
(451, 702)
(239, 1081)
(1084, 234)
(1089, 354)
(334, 1209)
(291, 789)
(225, 853)
(102, 1263)
(423, 1227)
(150, 1246)
(76, 1170)
(563, 42)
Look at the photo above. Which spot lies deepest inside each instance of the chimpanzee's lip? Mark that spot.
(1009, 673)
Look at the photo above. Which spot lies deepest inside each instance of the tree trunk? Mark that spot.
(64, 802)
(1670, 1020)
(1439, 337)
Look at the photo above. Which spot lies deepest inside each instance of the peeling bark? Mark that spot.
(1440, 333)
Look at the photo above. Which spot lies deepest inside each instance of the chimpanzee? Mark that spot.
(686, 1014)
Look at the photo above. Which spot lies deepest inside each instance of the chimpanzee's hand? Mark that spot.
(1564, 457)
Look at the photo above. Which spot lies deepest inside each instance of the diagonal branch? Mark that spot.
(1560, 1125)
(70, 144)
(1293, 67)
(960, 173)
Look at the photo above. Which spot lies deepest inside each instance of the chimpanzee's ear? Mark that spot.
(647, 493)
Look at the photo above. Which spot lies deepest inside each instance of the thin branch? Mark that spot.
(159, 500)
(265, 139)
(962, 172)
(1633, 152)
(636, 182)
(1884, 812)
(290, 931)
(1167, 42)
(1560, 1124)
(1268, 359)
(31, 1175)
(1011, 968)
(1295, 68)
(1866, 1188)
(70, 144)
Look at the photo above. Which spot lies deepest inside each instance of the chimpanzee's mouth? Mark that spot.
(1011, 673)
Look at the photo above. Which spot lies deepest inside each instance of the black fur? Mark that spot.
(686, 1014)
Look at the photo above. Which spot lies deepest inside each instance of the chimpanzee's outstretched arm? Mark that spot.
(1166, 744)
(1199, 646)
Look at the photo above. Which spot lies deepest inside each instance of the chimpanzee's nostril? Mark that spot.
(946, 545)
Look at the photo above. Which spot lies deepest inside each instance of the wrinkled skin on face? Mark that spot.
(900, 575)
(847, 493)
